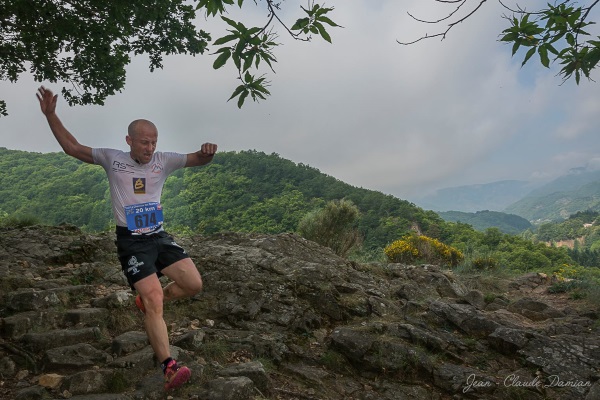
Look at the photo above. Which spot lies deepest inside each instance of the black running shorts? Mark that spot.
(144, 255)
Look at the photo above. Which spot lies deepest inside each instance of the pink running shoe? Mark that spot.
(175, 376)
(140, 304)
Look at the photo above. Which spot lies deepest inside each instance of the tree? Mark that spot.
(87, 44)
(558, 32)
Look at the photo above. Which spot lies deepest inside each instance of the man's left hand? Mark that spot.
(208, 149)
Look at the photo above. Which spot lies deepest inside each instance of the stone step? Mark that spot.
(17, 325)
(32, 300)
(39, 341)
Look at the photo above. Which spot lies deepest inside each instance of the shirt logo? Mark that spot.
(139, 185)
(157, 168)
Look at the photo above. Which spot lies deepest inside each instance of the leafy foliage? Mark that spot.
(88, 44)
(333, 226)
(558, 32)
(248, 47)
(562, 24)
(493, 249)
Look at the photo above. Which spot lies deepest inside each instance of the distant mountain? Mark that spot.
(557, 200)
(495, 196)
(482, 220)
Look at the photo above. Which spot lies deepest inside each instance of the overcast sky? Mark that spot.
(403, 120)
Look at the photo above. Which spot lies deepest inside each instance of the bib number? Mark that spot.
(145, 217)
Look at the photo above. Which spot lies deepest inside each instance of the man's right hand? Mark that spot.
(69, 144)
(47, 100)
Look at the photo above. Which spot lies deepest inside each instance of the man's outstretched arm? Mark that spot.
(69, 144)
(202, 156)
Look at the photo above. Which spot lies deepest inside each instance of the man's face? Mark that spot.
(143, 143)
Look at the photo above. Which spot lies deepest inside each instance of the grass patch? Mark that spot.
(336, 362)
(118, 383)
(18, 221)
(215, 350)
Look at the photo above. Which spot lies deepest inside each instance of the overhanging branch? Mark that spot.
(450, 25)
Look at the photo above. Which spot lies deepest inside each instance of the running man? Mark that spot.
(145, 250)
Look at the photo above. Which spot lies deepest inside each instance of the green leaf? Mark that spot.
(232, 23)
(236, 60)
(247, 62)
(300, 24)
(528, 55)
(237, 91)
(323, 32)
(222, 59)
(327, 21)
(243, 96)
(543, 52)
(253, 31)
(516, 46)
(509, 37)
(225, 39)
(239, 48)
(551, 49)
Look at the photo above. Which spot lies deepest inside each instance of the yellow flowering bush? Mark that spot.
(568, 272)
(414, 247)
(484, 263)
(575, 279)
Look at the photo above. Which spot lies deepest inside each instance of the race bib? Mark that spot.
(145, 217)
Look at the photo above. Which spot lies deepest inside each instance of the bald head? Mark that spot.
(141, 125)
(142, 136)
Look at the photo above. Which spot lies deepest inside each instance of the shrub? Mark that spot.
(333, 226)
(18, 221)
(484, 263)
(413, 247)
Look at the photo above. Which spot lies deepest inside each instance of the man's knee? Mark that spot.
(194, 287)
(153, 301)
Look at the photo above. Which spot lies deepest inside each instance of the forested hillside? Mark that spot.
(247, 191)
(481, 220)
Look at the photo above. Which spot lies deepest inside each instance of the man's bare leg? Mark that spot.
(186, 280)
(151, 292)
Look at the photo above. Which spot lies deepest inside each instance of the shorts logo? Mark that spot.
(139, 185)
(176, 245)
(133, 265)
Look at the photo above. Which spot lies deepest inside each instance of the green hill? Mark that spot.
(245, 191)
(482, 220)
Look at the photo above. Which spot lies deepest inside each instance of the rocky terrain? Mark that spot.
(283, 318)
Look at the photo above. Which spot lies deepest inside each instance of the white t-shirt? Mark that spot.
(135, 189)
